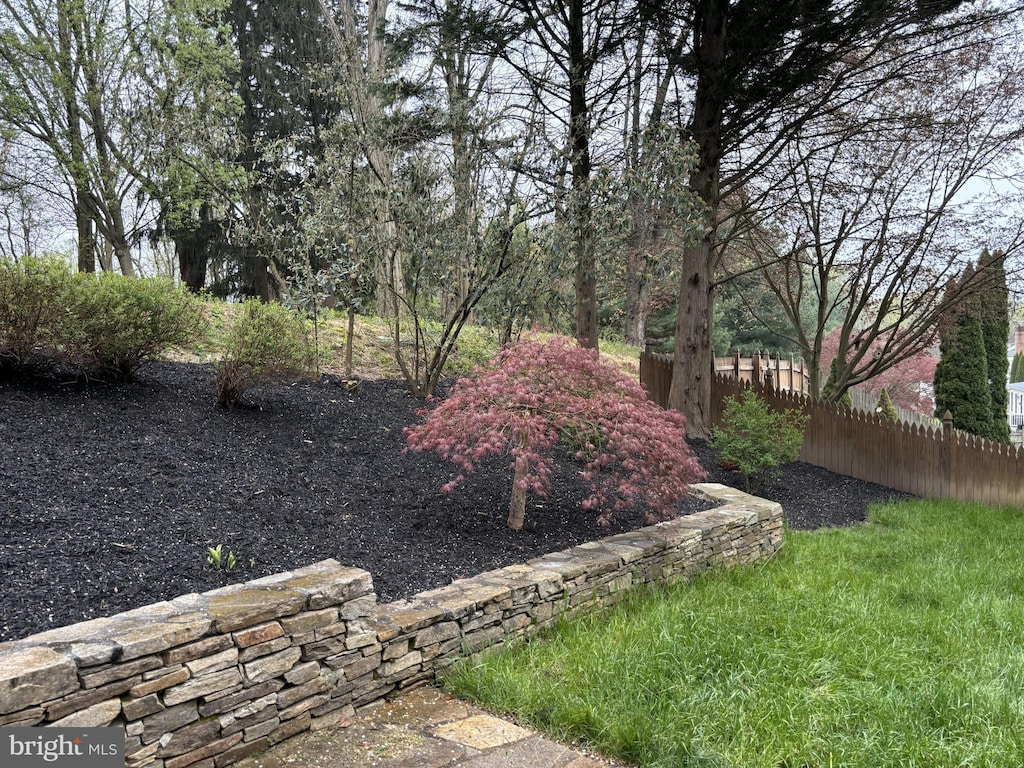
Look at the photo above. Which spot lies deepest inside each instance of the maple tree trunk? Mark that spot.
(517, 505)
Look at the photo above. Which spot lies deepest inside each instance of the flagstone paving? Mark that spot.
(424, 728)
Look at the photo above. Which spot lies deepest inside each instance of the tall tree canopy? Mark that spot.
(520, 161)
(761, 72)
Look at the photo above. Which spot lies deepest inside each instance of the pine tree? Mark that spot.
(961, 377)
(828, 392)
(993, 305)
(885, 408)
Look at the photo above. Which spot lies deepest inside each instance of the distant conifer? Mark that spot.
(885, 408)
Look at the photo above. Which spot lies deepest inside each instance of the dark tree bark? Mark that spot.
(638, 300)
(762, 70)
(86, 237)
(192, 263)
(693, 354)
(579, 141)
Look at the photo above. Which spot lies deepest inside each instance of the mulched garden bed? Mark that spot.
(111, 495)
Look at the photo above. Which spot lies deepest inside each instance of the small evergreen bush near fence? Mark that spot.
(757, 439)
(267, 343)
(103, 325)
(885, 407)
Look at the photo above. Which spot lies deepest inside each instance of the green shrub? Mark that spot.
(1017, 368)
(757, 439)
(118, 322)
(885, 408)
(32, 308)
(267, 343)
(828, 390)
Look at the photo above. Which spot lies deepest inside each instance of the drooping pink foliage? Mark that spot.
(538, 394)
(908, 382)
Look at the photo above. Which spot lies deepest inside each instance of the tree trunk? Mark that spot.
(348, 340)
(123, 255)
(261, 278)
(693, 362)
(105, 254)
(192, 262)
(579, 142)
(693, 359)
(638, 300)
(517, 505)
(86, 237)
(586, 293)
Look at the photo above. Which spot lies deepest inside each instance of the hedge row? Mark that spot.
(102, 325)
(106, 325)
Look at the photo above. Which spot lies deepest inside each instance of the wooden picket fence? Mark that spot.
(776, 372)
(935, 462)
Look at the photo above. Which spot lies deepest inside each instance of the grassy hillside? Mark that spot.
(373, 345)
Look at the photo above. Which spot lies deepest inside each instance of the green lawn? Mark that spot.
(897, 643)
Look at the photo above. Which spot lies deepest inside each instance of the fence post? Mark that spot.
(755, 375)
(736, 364)
(945, 451)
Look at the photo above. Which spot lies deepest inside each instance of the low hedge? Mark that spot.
(103, 325)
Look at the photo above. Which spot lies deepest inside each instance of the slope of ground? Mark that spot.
(110, 496)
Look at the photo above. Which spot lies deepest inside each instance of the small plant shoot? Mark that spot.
(535, 397)
(215, 556)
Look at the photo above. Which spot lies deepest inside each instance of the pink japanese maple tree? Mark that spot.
(535, 396)
(908, 382)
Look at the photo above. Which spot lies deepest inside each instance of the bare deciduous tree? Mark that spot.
(874, 209)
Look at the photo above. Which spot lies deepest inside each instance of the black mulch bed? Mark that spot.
(111, 495)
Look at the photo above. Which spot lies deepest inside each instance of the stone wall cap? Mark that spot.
(32, 675)
(409, 615)
(232, 609)
(143, 638)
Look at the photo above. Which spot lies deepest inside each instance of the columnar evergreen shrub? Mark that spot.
(119, 322)
(1017, 368)
(961, 377)
(757, 439)
(828, 391)
(535, 396)
(885, 407)
(994, 314)
(266, 343)
(32, 309)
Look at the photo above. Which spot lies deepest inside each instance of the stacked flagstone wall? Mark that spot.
(202, 681)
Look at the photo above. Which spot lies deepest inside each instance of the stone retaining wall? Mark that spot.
(204, 680)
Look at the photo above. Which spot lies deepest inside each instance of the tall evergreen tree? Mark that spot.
(1017, 368)
(760, 64)
(285, 56)
(961, 377)
(994, 314)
